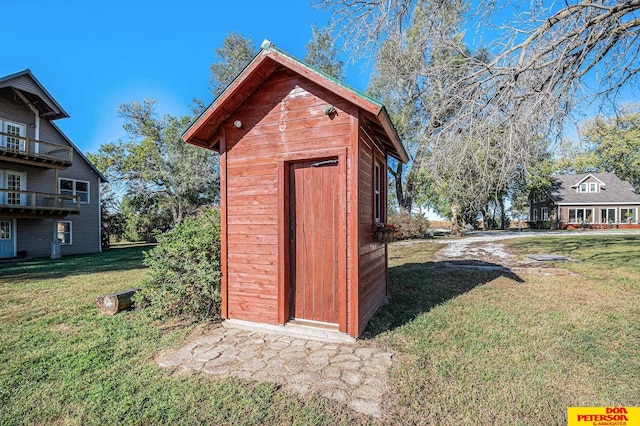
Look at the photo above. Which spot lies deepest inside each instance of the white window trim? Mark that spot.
(584, 215)
(623, 219)
(70, 232)
(4, 237)
(588, 187)
(544, 213)
(377, 192)
(23, 133)
(607, 219)
(74, 188)
(14, 234)
(4, 185)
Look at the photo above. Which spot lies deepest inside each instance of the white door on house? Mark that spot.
(11, 183)
(7, 238)
(13, 140)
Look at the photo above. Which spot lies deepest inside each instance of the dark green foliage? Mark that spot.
(232, 57)
(322, 53)
(539, 224)
(409, 225)
(184, 277)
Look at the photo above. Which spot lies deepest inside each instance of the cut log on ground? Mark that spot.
(111, 304)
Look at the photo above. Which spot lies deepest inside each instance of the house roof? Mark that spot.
(612, 190)
(35, 94)
(204, 131)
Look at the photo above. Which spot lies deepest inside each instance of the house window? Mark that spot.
(5, 230)
(75, 187)
(64, 233)
(377, 193)
(607, 215)
(628, 215)
(535, 215)
(13, 139)
(544, 213)
(13, 181)
(580, 215)
(588, 187)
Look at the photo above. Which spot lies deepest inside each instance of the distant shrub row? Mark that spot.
(410, 225)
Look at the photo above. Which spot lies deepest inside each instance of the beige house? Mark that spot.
(594, 200)
(49, 191)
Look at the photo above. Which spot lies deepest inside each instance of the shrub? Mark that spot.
(184, 279)
(539, 224)
(409, 225)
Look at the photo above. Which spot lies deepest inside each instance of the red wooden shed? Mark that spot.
(303, 185)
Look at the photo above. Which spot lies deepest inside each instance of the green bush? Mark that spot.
(539, 224)
(184, 280)
(409, 225)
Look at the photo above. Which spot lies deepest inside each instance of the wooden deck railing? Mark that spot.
(11, 200)
(19, 146)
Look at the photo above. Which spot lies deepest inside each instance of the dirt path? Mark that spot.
(486, 250)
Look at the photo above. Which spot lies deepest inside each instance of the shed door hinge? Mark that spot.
(323, 163)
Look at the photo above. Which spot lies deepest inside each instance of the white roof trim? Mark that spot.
(586, 204)
(587, 177)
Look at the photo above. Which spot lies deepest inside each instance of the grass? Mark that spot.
(474, 347)
(63, 363)
(499, 348)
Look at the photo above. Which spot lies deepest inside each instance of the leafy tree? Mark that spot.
(615, 142)
(155, 168)
(143, 218)
(322, 53)
(495, 102)
(232, 57)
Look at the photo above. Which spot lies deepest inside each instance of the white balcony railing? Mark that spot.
(12, 200)
(32, 149)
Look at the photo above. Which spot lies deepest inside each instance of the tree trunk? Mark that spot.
(111, 304)
(503, 216)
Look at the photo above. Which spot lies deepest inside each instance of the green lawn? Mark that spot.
(63, 363)
(474, 347)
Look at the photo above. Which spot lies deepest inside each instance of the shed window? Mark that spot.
(377, 193)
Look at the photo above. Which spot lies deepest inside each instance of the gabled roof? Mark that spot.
(204, 131)
(35, 93)
(587, 176)
(612, 190)
(49, 109)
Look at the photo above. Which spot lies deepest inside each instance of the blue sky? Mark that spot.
(93, 56)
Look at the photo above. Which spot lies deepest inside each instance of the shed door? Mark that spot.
(314, 223)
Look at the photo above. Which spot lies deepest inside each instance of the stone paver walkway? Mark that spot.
(354, 373)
